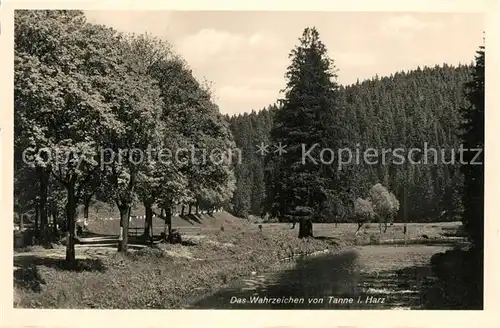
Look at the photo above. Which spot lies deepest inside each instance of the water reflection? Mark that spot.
(336, 281)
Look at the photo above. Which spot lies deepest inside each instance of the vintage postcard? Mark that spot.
(224, 156)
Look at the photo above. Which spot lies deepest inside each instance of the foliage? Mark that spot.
(301, 189)
(385, 204)
(363, 209)
(473, 139)
(101, 100)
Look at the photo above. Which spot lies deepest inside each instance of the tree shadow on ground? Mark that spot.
(90, 234)
(182, 242)
(454, 234)
(330, 239)
(188, 243)
(27, 274)
(29, 278)
(59, 263)
(104, 239)
(191, 218)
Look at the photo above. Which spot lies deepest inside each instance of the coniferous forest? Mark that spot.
(425, 102)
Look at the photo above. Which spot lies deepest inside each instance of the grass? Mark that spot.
(188, 224)
(166, 277)
(369, 233)
(171, 276)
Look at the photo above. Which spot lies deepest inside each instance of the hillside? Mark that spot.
(408, 110)
(190, 224)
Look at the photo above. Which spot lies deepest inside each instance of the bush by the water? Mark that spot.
(460, 280)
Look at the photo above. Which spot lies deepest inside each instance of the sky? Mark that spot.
(245, 54)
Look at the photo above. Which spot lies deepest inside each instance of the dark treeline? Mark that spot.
(250, 130)
(414, 109)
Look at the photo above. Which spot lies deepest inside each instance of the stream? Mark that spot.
(361, 277)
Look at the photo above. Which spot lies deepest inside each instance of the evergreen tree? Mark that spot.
(473, 138)
(301, 187)
(473, 179)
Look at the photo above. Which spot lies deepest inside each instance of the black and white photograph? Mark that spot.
(243, 160)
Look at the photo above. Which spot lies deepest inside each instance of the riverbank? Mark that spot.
(171, 276)
(166, 276)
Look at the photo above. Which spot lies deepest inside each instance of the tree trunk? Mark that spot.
(21, 222)
(190, 209)
(86, 205)
(124, 221)
(360, 224)
(44, 184)
(148, 222)
(54, 223)
(404, 232)
(182, 209)
(305, 228)
(197, 209)
(37, 219)
(379, 220)
(405, 217)
(70, 221)
(166, 228)
(168, 219)
(152, 232)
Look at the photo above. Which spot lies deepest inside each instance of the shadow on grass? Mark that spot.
(191, 218)
(29, 278)
(59, 264)
(454, 234)
(188, 243)
(27, 275)
(113, 240)
(327, 238)
(90, 234)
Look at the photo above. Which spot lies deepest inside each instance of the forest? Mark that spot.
(407, 109)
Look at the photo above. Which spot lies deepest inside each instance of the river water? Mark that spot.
(362, 277)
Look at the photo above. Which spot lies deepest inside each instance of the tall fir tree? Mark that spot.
(298, 186)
